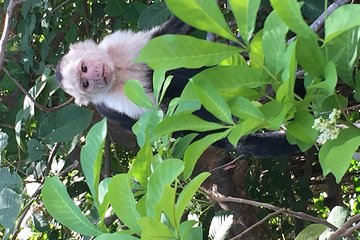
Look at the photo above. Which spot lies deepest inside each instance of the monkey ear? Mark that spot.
(87, 44)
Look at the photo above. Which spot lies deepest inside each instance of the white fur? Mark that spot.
(120, 50)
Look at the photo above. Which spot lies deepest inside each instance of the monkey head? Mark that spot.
(85, 71)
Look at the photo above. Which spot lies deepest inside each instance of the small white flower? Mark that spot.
(327, 127)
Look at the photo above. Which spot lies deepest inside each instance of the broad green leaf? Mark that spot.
(194, 151)
(36, 149)
(201, 14)
(335, 155)
(245, 14)
(289, 66)
(290, 13)
(114, 8)
(104, 201)
(64, 124)
(311, 232)
(153, 15)
(273, 41)
(301, 127)
(242, 128)
(10, 203)
(212, 101)
(231, 81)
(152, 229)
(275, 113)
(184, 122)
(115, 236)
(187, 194)
(256, 52)
(188, 231)
(123, 202)
(244, 109)
(190, 52)
(158, 81)
(136, 93)
(21, 117)
(164, 174)
(9, 179)
(341, 20)
(144, 127)
(330, 81)
(310, 56)
(59, 204)
(166, 205)
(345, 56)
(182, 145)
(141, 166)
(91, 157)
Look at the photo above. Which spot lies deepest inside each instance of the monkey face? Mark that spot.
(85, 71)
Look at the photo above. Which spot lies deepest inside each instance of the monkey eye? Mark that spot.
(85, 84)
(83, 68)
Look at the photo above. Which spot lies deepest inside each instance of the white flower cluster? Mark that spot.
(327, 126)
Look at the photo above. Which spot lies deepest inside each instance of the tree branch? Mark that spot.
(289, 212)
(38, 105)
(344, 230)
(6, 30)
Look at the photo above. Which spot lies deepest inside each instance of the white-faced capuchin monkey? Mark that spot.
(96, 73)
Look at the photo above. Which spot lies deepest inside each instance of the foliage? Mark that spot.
(151, 198)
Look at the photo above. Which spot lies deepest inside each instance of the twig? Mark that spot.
(51, 158)
(38, 105)
(289, 212)
(352, 229)
(226, 164)
(318, 24)
(262, 221)
(6, 30)
(345, 227)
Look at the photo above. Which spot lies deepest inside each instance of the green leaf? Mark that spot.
(212, 101)
(190, 52)
(141, 166)
(275, 113)
(256, 52)
(310, 56)
(182, 145)
(273, 41)
(289, 66)
(311, 232)
(202, 14)
(9, 179)
(337, 217)
(290, 13)
(245, 14)
(231, 81)
(10, 203)
(187, 194)
(59, 204)
(91, 157)
(330, 79)
(114, 8)
(335, 155)
(153, 15)
(123, 202)
(189, 232)
(64, 124)
(36, 149)
(244, 109)
(184, 122)
(341, 20)
(136, 93)
(152, 229)
(242, 128)
(301, 127)
(194, 151)
(104, 201)
(164, 174)
(343, 51)
(115, 236)
(144, 127)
